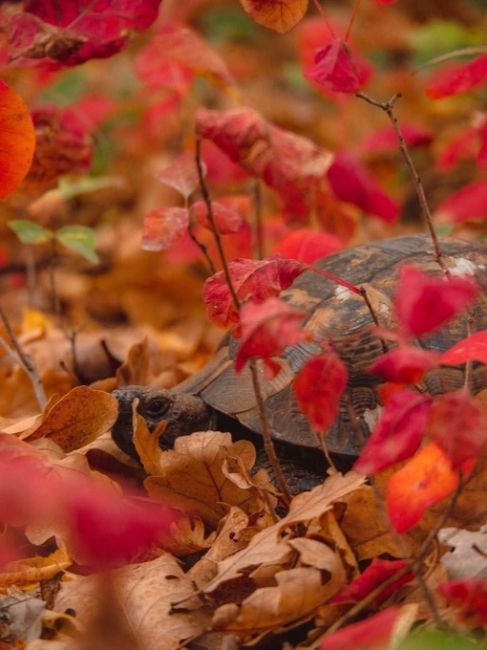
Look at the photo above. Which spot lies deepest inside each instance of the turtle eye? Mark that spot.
(156, 406)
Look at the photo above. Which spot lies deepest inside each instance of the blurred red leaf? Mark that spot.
(254, 280)
(398, 432)
(307, 245)
(404, 365)
(163, 227)
(334, 68)
(351, 182)
(458, 424)
(462, 146)
(92, 110)
(267, 328)
(470, 596)
(181, 175)
(426, 478)
(374, 575)
(291, 165)
(375, 632)
(220, 169)
(468, 203)
(455, 79)
(472, 348)
(74, 31)
(174, 55)
(318, 387)
(227, 219)
(423, 302)
(17, 140)
(280, 15)
(385, 140)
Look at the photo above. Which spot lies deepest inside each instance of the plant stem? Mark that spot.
(388, 108)
(363, 293)
(259, 233)
(17, 354)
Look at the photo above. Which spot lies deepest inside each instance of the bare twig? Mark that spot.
(388, 108)
(259, 233)
(202, 247)
(56, 305)
(17, 354)
(268, 443)
(363, 293)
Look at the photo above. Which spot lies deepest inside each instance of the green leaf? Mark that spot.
(438, 640)
(80, 239)
(30, 232)
(69, 188)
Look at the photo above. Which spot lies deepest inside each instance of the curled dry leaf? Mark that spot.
(78, 418)
(34, 569)
(192, 476)
(145, 593)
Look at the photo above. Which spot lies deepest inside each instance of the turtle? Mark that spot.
(218, 397)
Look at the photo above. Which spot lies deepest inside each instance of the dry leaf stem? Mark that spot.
(388, 108)
(266, 433)
(17, 354)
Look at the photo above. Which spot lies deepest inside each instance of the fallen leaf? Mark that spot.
(33, 569)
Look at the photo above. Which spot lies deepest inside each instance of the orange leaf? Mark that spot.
(17, 140)
(280, 15)
(427, 478)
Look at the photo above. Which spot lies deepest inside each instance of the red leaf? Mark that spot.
(426, 478)
(397, 434)
(424, 302)
(253, 280)
(220, 169)
(17, 140)
(458, 424)
(470, 596)
(374, 575)
(307, 245)
(351, 182)
(385, 140)
(374, 632)
(462, 146)
(174, 55)
(334, 68)
(267, 328)
(163, 227)
(291, 165)
(452, 80)
(472, 348)
(280, 15)
(227, 219)
(318, 387)
(74, 31)
(181, 175)
(404, 365)
(468, 203)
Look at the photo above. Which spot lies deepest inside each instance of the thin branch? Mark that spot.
(364, 294)
(268, 443)
(355, 11)
(202, 247)
(388, 108)
(259, 231)
(17, 354)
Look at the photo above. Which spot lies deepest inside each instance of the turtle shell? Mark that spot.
(342, 317)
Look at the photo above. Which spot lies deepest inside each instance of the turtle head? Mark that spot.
(183, 413)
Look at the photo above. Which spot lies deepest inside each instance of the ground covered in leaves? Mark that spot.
(144, 145)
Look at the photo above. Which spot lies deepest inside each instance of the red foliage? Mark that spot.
(426, 478)
(404, 365)
(374, 575)
(470, 596)
(472, 348)
(254, 280)
(181, 175)
(163, 227)
(424, 303)
(227, 219)
(455, 79)
(458, 424)
(351, 182)
(334, 68)
(385, 140)
(468, 203)
(17, 140)
(290, 164)
(72, 32)
(307, 245)
(267, 328)
(375, 632)
(318, 387)
(397, 434)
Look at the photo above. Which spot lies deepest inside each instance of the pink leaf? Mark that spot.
(318, 387)
(470, 596)
(472, 348)
(404, 365)
(397, 434)
(374, 632)
(374, 575)
(468, 203)
(351, 182)
(163, 227)
(227, 219)
(452, 80)
(308, 246)
(334, 68)
(423, 302)
(385, 140)
(267, 328)
(181, 175)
